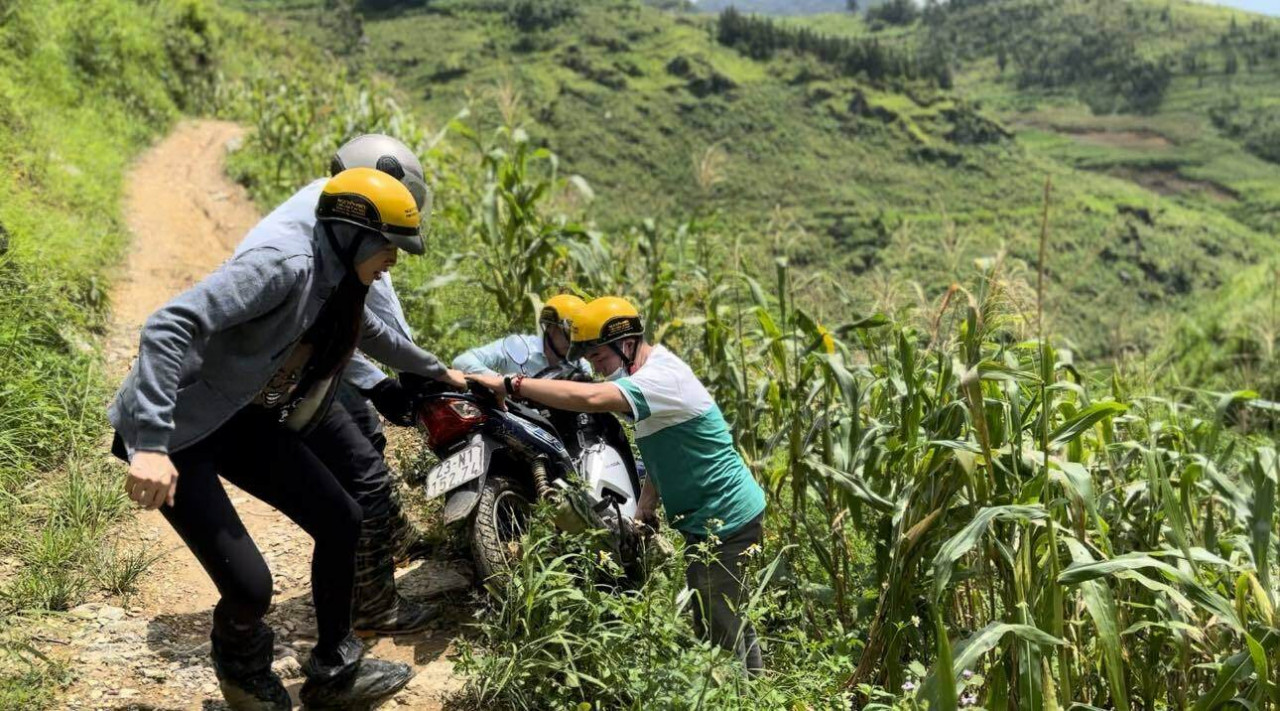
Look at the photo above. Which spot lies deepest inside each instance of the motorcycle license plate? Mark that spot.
(461, 467)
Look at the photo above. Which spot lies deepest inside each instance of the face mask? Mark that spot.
(618, 374)
(370, 246)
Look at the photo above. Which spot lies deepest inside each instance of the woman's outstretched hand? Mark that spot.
(152, 480)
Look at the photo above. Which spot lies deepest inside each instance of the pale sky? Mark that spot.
(1269, 7)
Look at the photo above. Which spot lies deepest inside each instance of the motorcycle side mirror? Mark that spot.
(517, 349)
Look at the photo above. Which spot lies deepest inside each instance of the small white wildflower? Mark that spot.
(605, 557)
(915, 621)
(969, 700)
(967, 674)
(752, 550)
(908, 686)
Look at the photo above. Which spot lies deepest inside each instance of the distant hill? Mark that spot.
(774, 7)
(897, 187)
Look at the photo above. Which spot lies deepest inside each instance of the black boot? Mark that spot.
(242, 662)
(377, 607)
(343, 680)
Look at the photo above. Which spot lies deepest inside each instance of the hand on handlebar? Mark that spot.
(393, 401)
(492, 383)
(454, 379)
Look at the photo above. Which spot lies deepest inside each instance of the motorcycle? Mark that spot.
(495, 464)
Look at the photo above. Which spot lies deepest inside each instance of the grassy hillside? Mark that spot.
(772, 7)
(1207, 139)
(1121, 526)
(1208, 145)
(84, 87)
(885, 185)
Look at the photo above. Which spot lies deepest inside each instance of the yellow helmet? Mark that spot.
(604, 320)
(560, 310)
(374, 200)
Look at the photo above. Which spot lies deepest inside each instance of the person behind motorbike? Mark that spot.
(706, 489)
(235, 378)
(365, 391)
(546, 355)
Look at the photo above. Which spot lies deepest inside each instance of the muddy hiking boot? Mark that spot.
(242, 661)
(263, 692)
(345, 680)
(377, 608)
(408, 542)
(411, 549)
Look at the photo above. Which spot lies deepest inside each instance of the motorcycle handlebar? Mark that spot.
(418, 385)
(421, 389)
(481, 392)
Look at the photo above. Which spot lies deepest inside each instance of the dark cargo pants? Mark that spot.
(722, 590)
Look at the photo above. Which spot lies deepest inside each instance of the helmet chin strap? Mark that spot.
(628, 363)
(551, 343)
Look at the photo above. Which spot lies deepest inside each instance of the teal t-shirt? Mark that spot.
(687, 449)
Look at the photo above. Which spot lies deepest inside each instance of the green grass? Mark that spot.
(30, 678)
(84, 87)
(1232, 339)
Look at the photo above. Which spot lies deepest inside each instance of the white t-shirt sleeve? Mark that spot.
(649, 395)
(662, 393)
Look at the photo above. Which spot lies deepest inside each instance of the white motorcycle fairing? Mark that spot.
(603, 470)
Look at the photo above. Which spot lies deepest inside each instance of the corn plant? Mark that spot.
(299, 119)
(961, 512)
(1068, 540)
(518, 253)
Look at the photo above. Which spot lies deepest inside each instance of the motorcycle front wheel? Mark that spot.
(501, 517)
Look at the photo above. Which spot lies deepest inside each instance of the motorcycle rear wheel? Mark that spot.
(501, 516)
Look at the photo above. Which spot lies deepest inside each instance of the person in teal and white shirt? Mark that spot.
(705, 488)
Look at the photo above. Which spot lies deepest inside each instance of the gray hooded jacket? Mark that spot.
(298, 214)
(208, 352)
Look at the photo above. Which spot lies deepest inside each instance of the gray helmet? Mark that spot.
(384, 153)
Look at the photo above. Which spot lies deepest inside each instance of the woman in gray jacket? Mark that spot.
(236, 377)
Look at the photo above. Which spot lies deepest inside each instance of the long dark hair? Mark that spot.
(336, 332)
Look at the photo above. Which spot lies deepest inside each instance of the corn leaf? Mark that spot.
(1101, 605)
(964, 541)
(969, 652)
(1083, 421)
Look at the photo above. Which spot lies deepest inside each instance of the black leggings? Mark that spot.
(363, 414)
(319, 481)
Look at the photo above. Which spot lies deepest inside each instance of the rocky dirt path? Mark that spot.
(151, 651)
